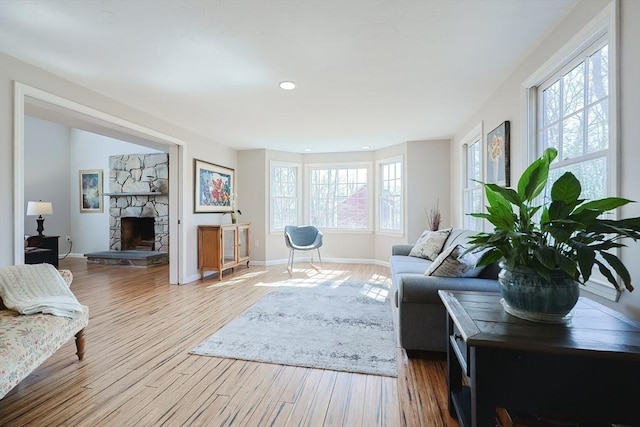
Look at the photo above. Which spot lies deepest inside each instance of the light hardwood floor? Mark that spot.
(137, 369)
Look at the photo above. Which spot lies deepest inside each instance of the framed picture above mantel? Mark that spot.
(214, 188)
(91, 196)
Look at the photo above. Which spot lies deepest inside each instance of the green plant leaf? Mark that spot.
(628, 223)
(566, 189)
(586, 258)
(619, 267)
(604, 205)
(544, 217)
(479, 215)
(584, 217)
(567, 265)
(607, 273)
(560, 231)
(496, 199)
(500, 217)
(534, 178)
(613, 227)
(605, 246)
(489, 257)
(547, 257)
(558, 209)
(508, 193)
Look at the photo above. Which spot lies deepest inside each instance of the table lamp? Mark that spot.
(40, 208)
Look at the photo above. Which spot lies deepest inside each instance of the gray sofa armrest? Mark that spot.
(401, 249)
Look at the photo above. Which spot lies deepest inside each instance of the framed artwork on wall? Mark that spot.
(91, 196)
(214, 188)
(498, 155)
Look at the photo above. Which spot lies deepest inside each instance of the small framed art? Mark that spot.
(214, 188)
(498, 155)
(91, 196)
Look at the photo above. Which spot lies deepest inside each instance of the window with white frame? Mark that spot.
(575, 112)
(472, 192)
(284, 195)
(573, 117)
(390, 195)
(339, 197)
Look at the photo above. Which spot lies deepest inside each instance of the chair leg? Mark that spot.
(290, 262)
(315, 267)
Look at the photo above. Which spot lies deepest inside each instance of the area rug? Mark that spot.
(343, 326)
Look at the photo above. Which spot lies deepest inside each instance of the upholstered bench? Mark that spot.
(27, 340)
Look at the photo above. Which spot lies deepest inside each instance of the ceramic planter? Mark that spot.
(529, 296)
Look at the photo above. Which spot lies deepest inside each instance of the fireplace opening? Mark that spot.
(137, 233)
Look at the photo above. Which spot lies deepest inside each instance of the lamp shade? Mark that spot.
(39, 208)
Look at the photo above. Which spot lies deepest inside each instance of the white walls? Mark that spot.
(505, 104)
(47, 175)
(427, 183)
(253, 199)
(55, 154)
(630, 140)
(90, 231)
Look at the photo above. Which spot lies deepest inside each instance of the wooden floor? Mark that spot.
(137, 369)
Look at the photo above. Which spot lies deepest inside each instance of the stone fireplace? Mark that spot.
(139, 202)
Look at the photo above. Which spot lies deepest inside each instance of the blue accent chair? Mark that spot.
(302, 238)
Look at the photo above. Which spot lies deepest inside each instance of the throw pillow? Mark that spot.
(430, 244)
(452, 263)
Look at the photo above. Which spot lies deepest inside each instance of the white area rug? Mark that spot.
(341, 326)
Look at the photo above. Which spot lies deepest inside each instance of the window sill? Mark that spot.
(602, 289)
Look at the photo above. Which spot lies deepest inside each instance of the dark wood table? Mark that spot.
(37, 256)
(47, 252)
(585, 371)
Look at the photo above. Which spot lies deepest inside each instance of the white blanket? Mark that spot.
(37, 288)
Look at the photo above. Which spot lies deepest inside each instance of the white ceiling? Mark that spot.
(373, 73)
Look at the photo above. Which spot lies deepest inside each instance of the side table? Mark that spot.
(37, 256)
(48, 254)
(577, 372)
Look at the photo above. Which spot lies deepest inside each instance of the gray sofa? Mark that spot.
(419, 316)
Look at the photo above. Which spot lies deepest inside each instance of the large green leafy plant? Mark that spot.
(560, 233)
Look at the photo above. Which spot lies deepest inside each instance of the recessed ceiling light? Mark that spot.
(307, 150)
(366, 147)
(287, 85)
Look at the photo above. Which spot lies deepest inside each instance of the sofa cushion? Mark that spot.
(453, 262)
(401, 264)
(27, 340)
(430, 244)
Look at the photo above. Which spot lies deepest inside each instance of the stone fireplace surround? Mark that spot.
(139, 188)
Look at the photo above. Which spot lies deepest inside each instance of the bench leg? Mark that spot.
(80, 344)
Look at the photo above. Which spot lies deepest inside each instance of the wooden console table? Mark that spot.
(221, 247)
(575, 372)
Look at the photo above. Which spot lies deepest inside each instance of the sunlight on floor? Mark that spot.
(237, 279)
(375, 292)
(376, 287)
